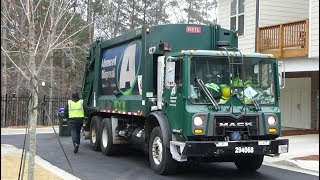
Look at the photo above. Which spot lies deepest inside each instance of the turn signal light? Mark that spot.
(198, 131)
(272, 130)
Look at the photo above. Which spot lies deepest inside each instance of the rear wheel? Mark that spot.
(95, 133)
(159, 155)
(249, 163)
(107, 146)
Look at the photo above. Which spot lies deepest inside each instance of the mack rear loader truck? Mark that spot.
(183, 93)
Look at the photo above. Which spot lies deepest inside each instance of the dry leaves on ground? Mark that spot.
(10, 165)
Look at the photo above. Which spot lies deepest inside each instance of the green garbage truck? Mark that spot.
(183, 93)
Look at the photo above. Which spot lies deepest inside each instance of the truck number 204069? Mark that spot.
(244, 150)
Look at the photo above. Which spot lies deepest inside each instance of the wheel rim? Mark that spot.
(105, 137)
(157, 150)
(93, 135)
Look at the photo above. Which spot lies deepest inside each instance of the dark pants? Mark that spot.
(75, 127)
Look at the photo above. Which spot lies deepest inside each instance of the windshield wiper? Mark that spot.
(208, 94)
(256, 104)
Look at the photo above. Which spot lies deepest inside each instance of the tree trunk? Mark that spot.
(32, 128)
(132, 16)
(33, 89)
(189, 12)
(63, 86)
(50, 88)
(3, 57)
(116, 21)
(89, 21)
(52, 13)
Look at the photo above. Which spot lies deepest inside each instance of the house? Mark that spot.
(290, 31)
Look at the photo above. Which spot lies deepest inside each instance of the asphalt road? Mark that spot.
(128, 164)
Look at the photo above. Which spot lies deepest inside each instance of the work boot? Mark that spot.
(76, 148)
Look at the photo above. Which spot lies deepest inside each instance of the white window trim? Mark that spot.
(237, 16)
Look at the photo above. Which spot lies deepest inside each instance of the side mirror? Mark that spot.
(170, 73)
(281, 74)
(256, 69)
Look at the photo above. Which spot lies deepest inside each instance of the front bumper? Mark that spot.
(227, 148)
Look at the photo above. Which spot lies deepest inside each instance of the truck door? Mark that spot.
(172, 92)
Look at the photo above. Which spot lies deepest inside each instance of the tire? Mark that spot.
(249, 163)
(95, 133)
(106, 140)
(160, 159)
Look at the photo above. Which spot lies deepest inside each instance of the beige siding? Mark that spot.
(274, 12)
(314, 29)
(224, 13)
(247, 41)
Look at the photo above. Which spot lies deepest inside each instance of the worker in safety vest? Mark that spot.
(75, 112)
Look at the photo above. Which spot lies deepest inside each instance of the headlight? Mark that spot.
(271, 120)
(197, 121)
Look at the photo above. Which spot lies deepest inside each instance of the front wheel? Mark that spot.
(159, 155)
(249, 163)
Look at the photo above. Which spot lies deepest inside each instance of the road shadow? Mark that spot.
(128, 163)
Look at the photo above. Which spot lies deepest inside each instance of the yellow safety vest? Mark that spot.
(76, 109)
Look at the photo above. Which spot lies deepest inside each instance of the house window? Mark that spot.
(237, 16)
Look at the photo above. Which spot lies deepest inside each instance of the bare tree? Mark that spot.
(4, 74)
(89, 20)
(43, 35)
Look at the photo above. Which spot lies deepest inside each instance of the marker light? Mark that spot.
(272, 130)
(198, 131)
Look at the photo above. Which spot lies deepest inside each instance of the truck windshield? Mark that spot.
(252, 80)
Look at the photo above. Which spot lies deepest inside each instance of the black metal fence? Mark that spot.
(14, 110)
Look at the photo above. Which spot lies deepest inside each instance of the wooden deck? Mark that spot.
(284, 40)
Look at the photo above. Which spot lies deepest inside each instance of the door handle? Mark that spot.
(299, 106)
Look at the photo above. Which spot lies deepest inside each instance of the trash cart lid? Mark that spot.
(60, 110)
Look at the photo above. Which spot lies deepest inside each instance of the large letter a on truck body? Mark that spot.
(127, 70)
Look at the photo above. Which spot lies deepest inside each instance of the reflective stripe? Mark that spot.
(75, 109)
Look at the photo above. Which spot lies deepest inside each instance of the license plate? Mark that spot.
(283, 149)
(245, 150)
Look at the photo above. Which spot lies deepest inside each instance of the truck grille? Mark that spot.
(226, 124)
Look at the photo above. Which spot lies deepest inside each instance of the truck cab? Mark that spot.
(222, 106)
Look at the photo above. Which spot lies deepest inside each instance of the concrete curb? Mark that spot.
(16, 131)
(306, 164)
(291, 167)
(12, 150)
(294, 166)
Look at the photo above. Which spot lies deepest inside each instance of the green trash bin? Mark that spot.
(64, 129)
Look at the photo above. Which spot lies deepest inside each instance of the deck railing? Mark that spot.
(284, 40)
